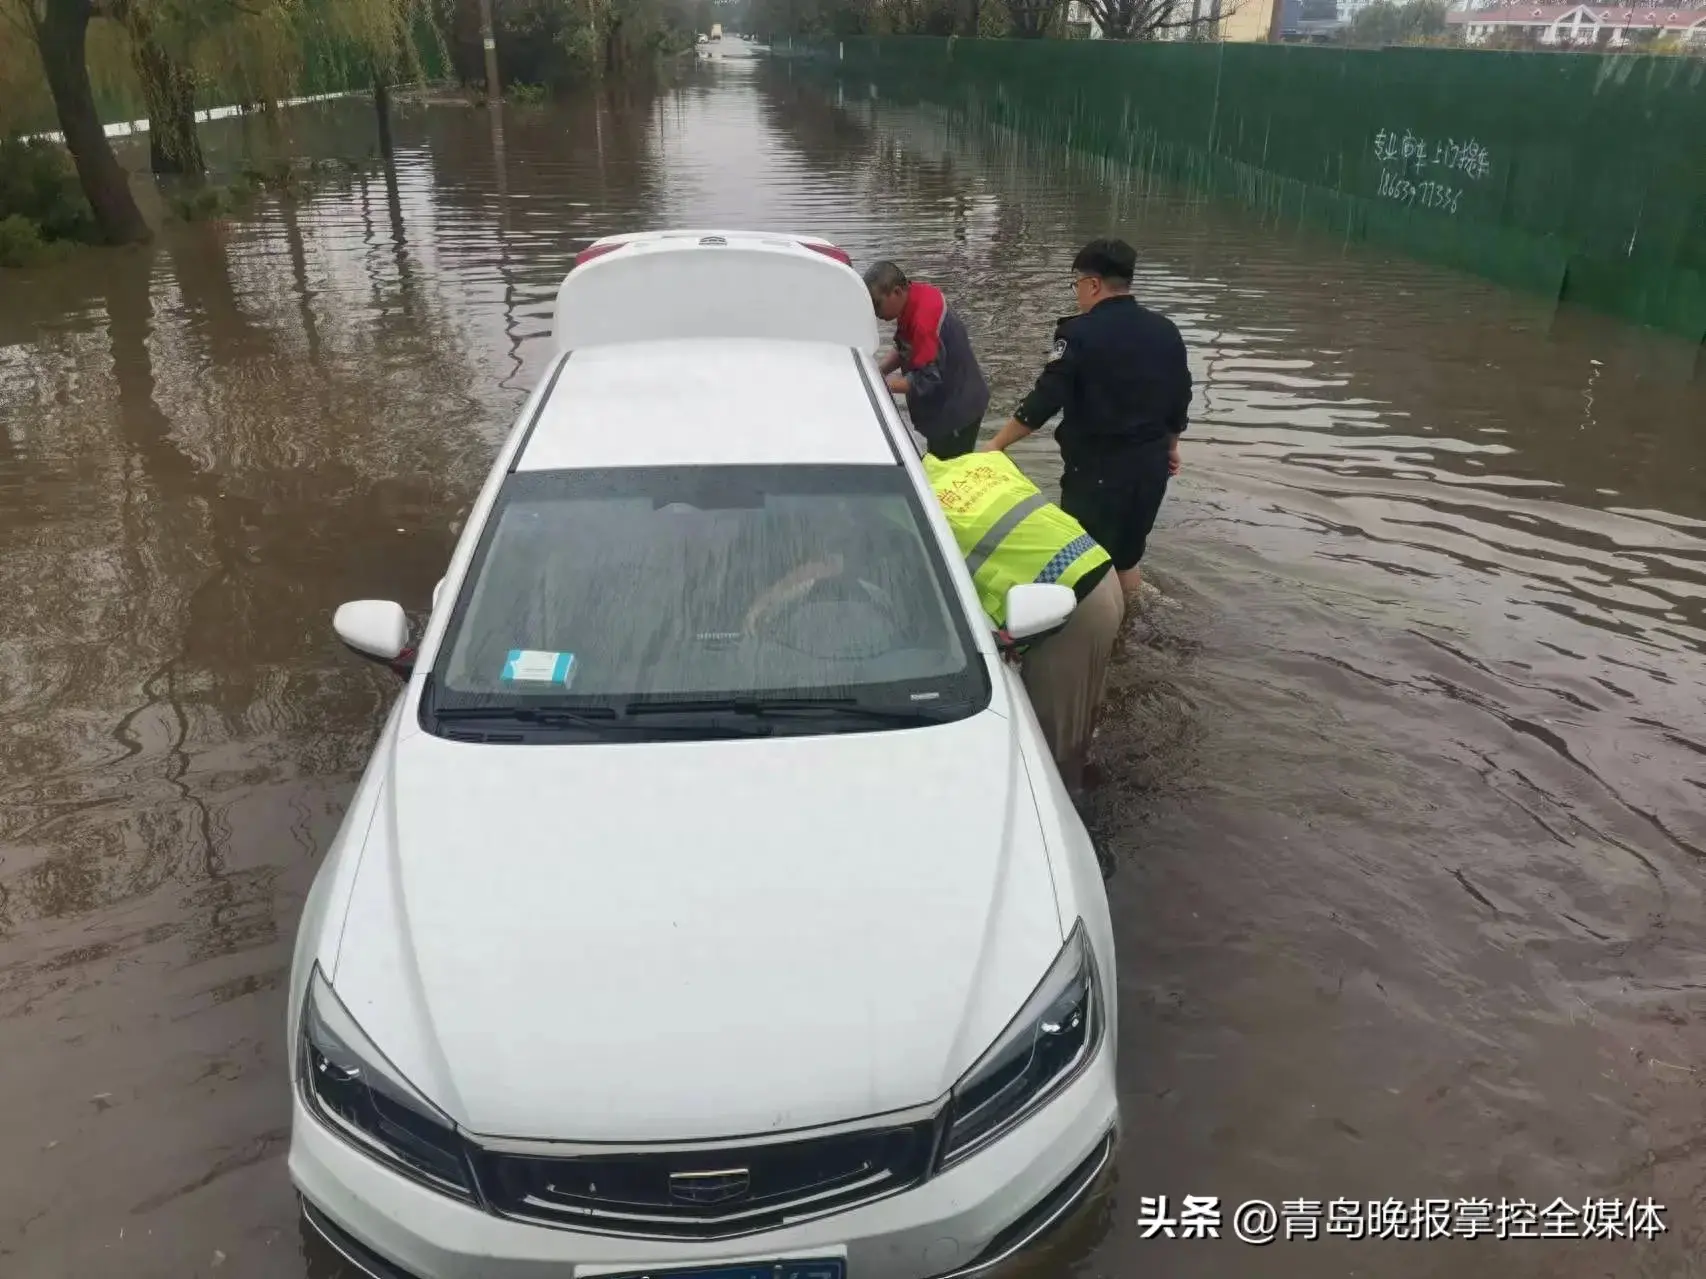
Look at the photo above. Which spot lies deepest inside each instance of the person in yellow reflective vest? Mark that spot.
(1010, 535)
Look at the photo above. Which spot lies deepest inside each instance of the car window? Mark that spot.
(610, 588)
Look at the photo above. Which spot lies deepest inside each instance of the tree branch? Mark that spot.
(1226, 10)
(1136, 19)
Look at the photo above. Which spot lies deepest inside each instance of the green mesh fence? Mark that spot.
(1576, 175)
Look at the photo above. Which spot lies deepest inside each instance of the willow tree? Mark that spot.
(168, 82)
(253, 49)
(60, 32)
(384, 30)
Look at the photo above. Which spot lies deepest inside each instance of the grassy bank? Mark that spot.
(42, 209)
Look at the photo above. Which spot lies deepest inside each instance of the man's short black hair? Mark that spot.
(1107, 260)
(884, 277)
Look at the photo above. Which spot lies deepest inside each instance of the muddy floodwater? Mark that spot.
(1406, 764)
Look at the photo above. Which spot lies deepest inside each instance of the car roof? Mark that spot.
(708, 402)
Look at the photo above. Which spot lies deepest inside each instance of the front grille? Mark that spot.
(708, 1194)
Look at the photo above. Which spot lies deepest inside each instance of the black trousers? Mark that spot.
(1116, 498)
(954, 443)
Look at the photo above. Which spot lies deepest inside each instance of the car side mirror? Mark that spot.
(377, 629)
(1036, 608)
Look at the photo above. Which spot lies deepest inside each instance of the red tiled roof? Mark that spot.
(1646, 15)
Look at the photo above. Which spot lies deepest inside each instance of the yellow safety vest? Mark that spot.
(1009, 533)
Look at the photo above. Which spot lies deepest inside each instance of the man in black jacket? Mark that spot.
(1118, 372)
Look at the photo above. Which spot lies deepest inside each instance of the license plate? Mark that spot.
(828, 1268)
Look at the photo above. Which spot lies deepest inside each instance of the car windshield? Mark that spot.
(614, 594)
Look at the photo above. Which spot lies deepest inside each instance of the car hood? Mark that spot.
(680, 941)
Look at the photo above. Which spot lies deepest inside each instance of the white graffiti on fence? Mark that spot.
(1430, 195)
(1402, 155)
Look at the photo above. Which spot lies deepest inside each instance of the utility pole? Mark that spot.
(494, 91)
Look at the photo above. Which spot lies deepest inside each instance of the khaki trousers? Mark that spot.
(1066, 673)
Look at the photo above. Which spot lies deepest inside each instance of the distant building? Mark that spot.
(1249, 20)
(1239, 20)
(1559, 24)
(1081, 22)
(1581, 25)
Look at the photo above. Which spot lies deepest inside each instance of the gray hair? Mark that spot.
(884, 277)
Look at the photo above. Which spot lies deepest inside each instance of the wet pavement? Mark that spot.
(1407, 762)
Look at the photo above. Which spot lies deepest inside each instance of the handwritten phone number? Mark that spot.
(1430, 195)
(1256, 1221)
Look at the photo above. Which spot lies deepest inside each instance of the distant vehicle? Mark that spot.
(716, 31)
(700, 916)
(703, 39)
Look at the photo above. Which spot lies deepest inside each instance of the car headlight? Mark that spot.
(365, 1099)
(1042, 1050)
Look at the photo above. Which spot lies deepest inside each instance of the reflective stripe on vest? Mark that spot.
(1001, 528)
(1009, 533)
(1081, 545)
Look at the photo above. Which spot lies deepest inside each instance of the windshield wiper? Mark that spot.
(765, 707)
(597, 717)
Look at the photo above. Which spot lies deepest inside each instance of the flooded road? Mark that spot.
(1407, 774)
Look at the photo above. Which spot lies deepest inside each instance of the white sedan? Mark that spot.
(710, 907)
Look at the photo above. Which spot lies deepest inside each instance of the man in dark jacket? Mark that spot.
(932, 362)
(1118, 373)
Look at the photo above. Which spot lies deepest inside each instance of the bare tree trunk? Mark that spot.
(464, 39)
(168, 86)
(1028, 19)
(615, 56)
(62, 35)
(382, 109)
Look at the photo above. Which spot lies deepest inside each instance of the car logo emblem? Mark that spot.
(720, 1187)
